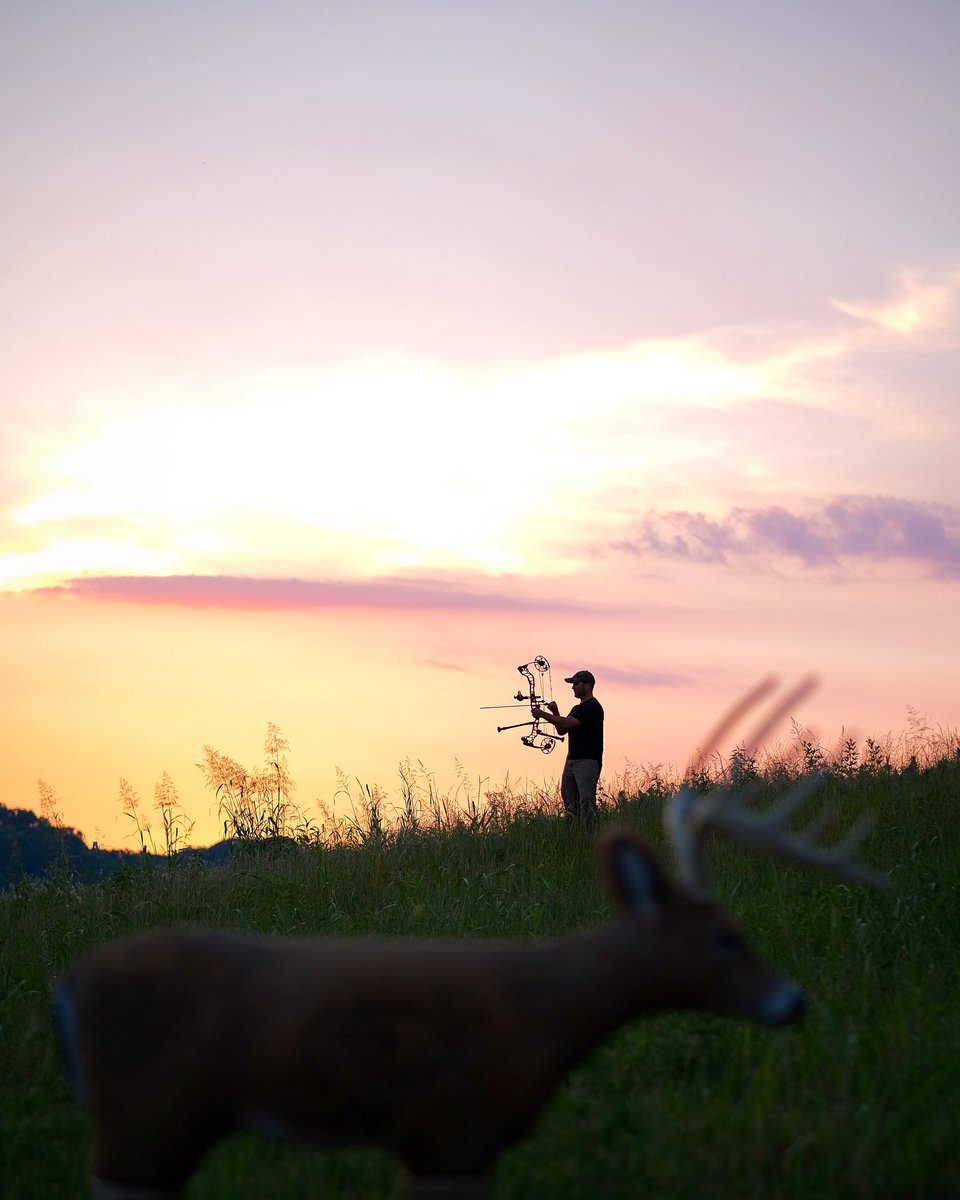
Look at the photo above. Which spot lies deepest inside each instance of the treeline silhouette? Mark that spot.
(34, 848)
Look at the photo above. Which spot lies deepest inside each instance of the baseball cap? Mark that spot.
(581, 677)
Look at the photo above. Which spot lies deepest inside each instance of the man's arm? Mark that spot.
(552, 714)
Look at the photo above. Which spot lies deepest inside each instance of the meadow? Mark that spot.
(857, 1103)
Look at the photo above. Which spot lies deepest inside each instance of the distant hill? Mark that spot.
(31, 846)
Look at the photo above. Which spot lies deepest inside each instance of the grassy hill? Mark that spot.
(856, 1103)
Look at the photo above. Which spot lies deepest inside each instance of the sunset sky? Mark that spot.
(353, 354)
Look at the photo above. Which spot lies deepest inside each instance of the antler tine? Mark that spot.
(730, 718)
(689, 815)
(684, 817)
(767, 831)
(851, 842)
(682, 821)
(776, 715)
(820, 823)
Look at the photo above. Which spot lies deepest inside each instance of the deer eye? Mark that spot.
(727, 945)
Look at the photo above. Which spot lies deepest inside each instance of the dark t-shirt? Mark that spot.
(586, 741)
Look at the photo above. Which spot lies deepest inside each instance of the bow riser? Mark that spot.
(536, 697)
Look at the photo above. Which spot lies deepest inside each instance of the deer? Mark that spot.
(443, 1052)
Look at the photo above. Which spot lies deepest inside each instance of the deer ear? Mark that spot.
(635, 877)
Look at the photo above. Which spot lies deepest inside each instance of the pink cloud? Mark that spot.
(242, 592)
(880, 528)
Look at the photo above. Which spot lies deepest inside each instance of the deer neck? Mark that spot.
(600, 979)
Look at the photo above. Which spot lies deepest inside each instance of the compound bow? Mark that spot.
(539, 694)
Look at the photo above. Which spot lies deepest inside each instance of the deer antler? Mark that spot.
(690, 815)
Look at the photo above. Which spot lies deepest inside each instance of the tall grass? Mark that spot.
(858, 1103)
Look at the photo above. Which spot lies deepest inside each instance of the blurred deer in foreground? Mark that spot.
(444, 1052)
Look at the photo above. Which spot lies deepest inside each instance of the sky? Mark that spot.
(353, 355)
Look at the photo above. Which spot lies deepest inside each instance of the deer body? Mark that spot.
(444, 1052)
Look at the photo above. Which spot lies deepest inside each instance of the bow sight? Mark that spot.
(538, 695)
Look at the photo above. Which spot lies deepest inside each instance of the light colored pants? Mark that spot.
(578, 789)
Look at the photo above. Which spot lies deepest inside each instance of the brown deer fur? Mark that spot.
(444, 1052)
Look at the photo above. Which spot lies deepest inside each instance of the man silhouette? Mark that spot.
(581, 772)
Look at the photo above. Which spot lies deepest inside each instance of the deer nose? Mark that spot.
(785, 1005)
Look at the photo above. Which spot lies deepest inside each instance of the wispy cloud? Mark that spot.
(922, 304)
(878, 528)
(640, 678)
(239, 592)
(441, 665)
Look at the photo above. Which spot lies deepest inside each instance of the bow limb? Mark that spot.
(538, 738)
